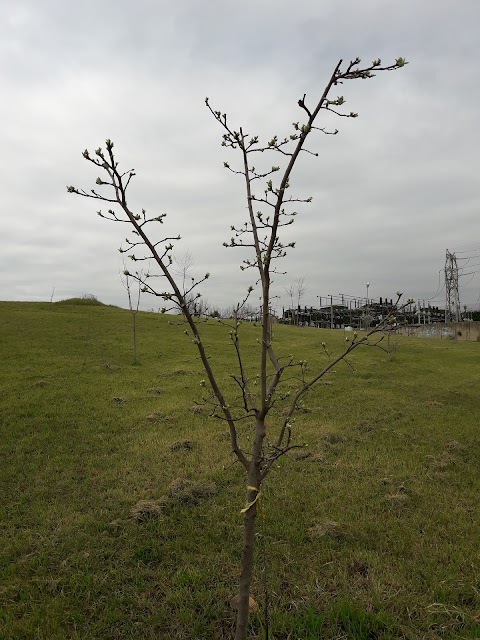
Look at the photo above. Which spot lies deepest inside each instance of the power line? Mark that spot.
(470, 266)
(468, 251)
(462, 286)
(440, 287)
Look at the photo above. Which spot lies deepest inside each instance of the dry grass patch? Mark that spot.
(365, 427)
(155, 391)
(181, 491)
(198, 409)
(159, 416)
(148, 509)
(110, 366)
(302, 455)
(181, 372)
(454, 445)
(327, 529)
(440, 463)
(397, 498)
(319, 458)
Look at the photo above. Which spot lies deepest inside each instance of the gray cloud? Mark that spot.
(391, 192)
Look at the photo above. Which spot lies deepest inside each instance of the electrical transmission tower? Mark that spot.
(452, 298)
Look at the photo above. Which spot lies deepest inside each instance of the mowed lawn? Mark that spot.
(120, 500)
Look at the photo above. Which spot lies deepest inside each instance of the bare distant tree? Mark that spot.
(300, 288)
(201, 307)
(241, 312)
(290, 291)
(133, 286)
(183, 269)
(197, 304)
(296, 291)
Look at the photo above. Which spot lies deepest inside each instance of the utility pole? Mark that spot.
(331, 312)
(319, 315)
(367, 310)
(452, 297)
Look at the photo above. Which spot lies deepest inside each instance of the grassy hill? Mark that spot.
(120, 503)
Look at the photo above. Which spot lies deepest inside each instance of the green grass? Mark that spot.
(371, 532)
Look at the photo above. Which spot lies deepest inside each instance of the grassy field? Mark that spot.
(120, 508)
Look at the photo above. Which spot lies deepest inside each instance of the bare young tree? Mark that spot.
(269, 208)
(198, 304)
(183, 270)
(290, 291)
(301, 288)
(133, 301)
(296, 291)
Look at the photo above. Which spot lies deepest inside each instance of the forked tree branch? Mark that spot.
(110, 166)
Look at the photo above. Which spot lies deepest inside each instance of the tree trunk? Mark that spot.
(249, 518)
(247, 570)
(134, 328)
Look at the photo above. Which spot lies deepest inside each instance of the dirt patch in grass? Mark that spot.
(181, 491)
(358, 568)
(183, 445)
(332, 439)
(155, 391)
(184, 491)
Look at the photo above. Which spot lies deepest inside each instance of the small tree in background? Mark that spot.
(184, 273)
(296, 291)
(269, 208)
(301, 288)
(290, 291)
(133, 300)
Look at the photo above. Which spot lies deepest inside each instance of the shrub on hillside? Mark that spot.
(88, 299)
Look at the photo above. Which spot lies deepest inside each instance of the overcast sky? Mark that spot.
(391, 192)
